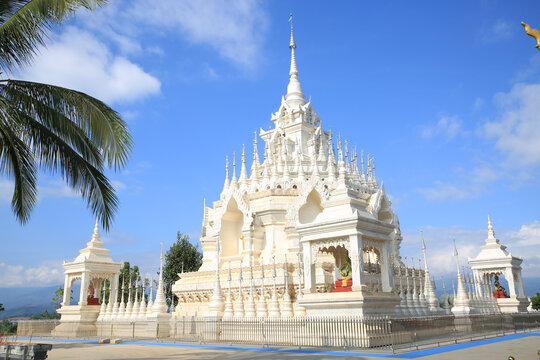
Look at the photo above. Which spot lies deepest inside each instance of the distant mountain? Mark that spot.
(28, 301)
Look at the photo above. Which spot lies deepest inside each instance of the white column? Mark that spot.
(114, 288)
(309, 268)
(520, 288)
(386, 269)
(511, 283)
(83, 293)
(67, 290)
(477, 283)
(357, 262)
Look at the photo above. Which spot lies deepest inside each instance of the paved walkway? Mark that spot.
(520, 346)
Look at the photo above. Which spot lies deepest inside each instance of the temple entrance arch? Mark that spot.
(232, 222)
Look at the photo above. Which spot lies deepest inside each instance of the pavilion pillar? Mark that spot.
(386, 269)
(309, 268)
(67, 290)
(478, 284)
(83, 293)
(520, 288)
(114, 289)
(511, 283)
(357, 262)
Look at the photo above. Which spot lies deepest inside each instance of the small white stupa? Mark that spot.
(494, 260)
(93, 266)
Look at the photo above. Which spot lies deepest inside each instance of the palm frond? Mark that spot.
(16, 161)
(68, 113)
(25, 24)
(74, 134)
(53, 152)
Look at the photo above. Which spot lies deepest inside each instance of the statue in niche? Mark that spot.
(91, 300)
(91, 291)
(500, 291)
(346, 271)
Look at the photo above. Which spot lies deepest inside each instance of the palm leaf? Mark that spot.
(72, 133)
(16, 160)
(25, 23)
(67, 111)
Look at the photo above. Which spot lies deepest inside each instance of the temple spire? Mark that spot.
(491, 234)
(226, 184)
(243, 172)
(294, 96)
(234, 182)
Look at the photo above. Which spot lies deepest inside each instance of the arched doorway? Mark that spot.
(231, 229)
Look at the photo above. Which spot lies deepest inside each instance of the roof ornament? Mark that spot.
(226, 185)
(95, 235)
(233, 180)
(294, 96)
(243, 173)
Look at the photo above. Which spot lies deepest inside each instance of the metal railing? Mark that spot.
(346, 332)
(342, 332)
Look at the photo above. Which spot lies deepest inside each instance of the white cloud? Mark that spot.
(517, 133)
(443, 191)
(478, 104)
(52, 189)
(45, 274)
(56, 189)
(118, 185)
(78, 60)
(235, 29)
(528, 235)
(6, 191)
(500, 30)
(447, 126)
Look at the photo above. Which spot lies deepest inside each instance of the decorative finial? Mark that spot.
(423, 243)
(292, 44)
(455, 249)
(294, 96)
(233, 180)
(491, 233)
(531, 32)
(95, 236)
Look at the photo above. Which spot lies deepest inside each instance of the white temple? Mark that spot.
(302, 206)
(308, 232)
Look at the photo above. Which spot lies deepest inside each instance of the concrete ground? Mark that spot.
(524, 347)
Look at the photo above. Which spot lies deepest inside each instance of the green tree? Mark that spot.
(51, 127)
(182, 256)
(536, 302)
(128, 276)
(7, 327)
(58, 296)
(47, 315)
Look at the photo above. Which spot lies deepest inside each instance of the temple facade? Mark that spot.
(307, 218)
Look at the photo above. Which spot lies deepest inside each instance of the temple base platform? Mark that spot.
(77, 321)
(513, 305)
(349, 303)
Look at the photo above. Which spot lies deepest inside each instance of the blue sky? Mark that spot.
(445, 94)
